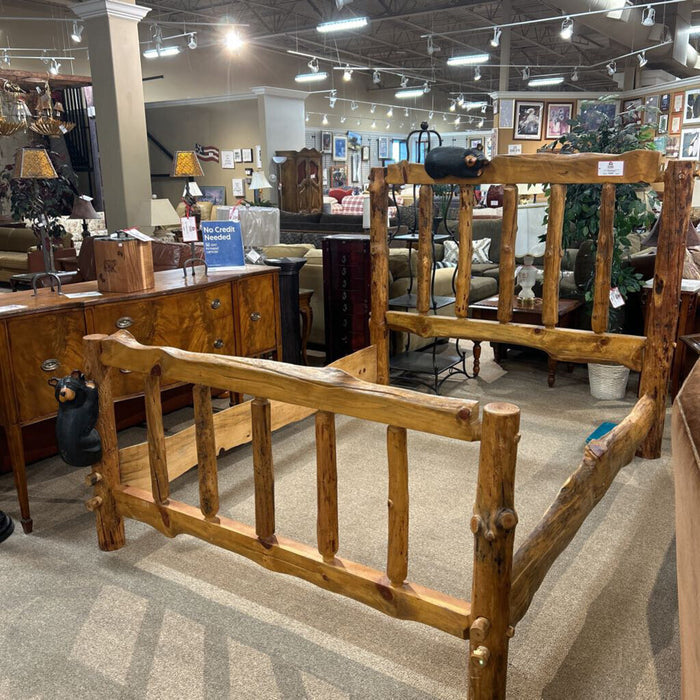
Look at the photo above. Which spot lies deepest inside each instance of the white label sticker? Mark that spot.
(616, 300)
(135, 233)
(82, 295)
(189, 228)
(11, 307)
(611, 168)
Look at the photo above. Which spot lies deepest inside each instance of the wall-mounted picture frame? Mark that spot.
(592, 113)
(515, 149)
(675, 125)
(365, 154)
(249, 172)
(476, 144)
(337, 176)
(354, 141)
(326, 142)
(665, 102)
(237, 186)
(247, 154)
(505, 115)
(237, 155)
(632, 111)
(663, 124)
(216, 194)
(691, 114)
(383, 148)
(528, 120)
(354, 158)
(672, 143)
(227, 160)
(340, 147)
(678, 98)
(651, 110)
(558, 115)
(690, 144)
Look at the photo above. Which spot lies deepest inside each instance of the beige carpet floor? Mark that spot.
(181, 619)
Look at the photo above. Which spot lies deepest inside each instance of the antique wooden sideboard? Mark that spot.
(230, 313)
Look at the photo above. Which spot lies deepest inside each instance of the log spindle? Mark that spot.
(425, 248)
(263, 470)
(506, 275)
(464, 264)
(379, 254)
(205, 437)
(603, 260)
(397, 549)
(552, 256)
(110, 524)
(160, 484)
(493, 525)
(326, 486)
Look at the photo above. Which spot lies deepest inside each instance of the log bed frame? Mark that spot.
(134, 481)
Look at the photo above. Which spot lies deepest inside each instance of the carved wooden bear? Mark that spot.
(452, 161)
(78, 442)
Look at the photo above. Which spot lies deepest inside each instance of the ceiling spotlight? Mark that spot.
(388, 125)
(324, 121)
(6, 58)
(347, 74)
(44, 57)
(483, 108)
(332, 99)
(306, 118)
(192, 41)
(611, 68)
(460, 100)
(372, 108)
(354, 105)
(373, 124)
(233, 41)
(526, 73)
(477, 73)
(567, 29)
(390, 112)
(430, 115)
(342, 25)
(642, 58)
(77, 33)
(444, 117)
(481, 123)
(404, 81)
(405, 112)
(426, 87)
(376, 77)
(313, 65)
(574, 76)
(342, 119)
(357, 122)
(55, 66)
(453, 105)
(649, 16)
(431, 47)
(457, 120)
(496, 38)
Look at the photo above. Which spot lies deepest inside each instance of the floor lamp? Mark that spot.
(186, 164)
(278, 161)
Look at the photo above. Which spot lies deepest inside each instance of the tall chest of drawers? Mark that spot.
(346, 289)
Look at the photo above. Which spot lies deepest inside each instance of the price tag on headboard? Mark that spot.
(611, 168)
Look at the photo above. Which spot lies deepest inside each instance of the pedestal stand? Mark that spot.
(289, 306)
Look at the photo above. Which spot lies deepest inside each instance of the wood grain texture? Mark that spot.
(369, 586)
(424, 263)
(602, 460)
(263, 471)
(206, 451)
(123, 265)
(552, 256)
(603, 260)
(664, 300)
(464, 261)
(379, 254)
(493, 524)
(257, 315)
(109, 521)
(157, 459)
(565, 344)
(506, 267)
(326, 486)
(323, 389)
(397, 544)
(554, 168)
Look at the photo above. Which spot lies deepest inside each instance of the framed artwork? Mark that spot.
(505, 114)
(337, 176)
(672, 146)
(365, 154)
(354, 166)
(528, 120)
(326, 142)
(675, 125)
(247, 155)
(651, 109)
(237, 157)
(249, 172)
(354, 141)
(383, 147)
(237, 185)
(592, 113)
(660, 144)
(665, 102)
(631, 111)
(340, 148)
(691, 115)
(558, 115)
(663, 123)
(515, 149)
(678, 102)
(690, 144)
(476, 144)
(216, 194)
(227, 160)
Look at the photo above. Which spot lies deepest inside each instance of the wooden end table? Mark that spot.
(486, 310)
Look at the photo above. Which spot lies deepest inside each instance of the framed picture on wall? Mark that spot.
(326, 142)
(665, 102)
(365, 154)
(247, 155)
(663, 123)
(592, 113)
(690, 144)
(383, 147)
(558, 115)
(528, 120)
(354, 141)
(216, 194)
(505, 114)
(692, 107)
(678, 102)
(337, 176)
(671, 147)
(476, 144)
(340, 147)
(354, 167)
(237, 156)
(651, 109)
(675, 125)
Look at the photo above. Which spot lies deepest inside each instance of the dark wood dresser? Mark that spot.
(346, 289)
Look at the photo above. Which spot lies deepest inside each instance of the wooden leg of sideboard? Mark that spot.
(15, 445)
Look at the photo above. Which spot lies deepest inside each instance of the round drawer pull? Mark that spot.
(216, 303)
(50, 365)
(255, 316)
(218, 343)
(125, 371)
(124, 322)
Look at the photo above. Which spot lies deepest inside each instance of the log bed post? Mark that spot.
(464, 264)
(205, 437)
(506, 274)
(664, 300)
(493, 525)
(157, 460)
(552, 256)
(263, 472)
(379, 254)
(424, 263)
(397, 547)
(603, 260)
(105, 474)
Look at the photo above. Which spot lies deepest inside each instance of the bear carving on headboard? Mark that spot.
(79, 443)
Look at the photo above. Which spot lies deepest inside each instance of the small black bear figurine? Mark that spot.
(453, 161)
(78, 442)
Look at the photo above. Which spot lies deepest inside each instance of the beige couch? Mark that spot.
(14, 249)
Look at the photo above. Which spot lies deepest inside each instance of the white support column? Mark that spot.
(115, 66)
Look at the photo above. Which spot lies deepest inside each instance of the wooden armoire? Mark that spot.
(301, 180)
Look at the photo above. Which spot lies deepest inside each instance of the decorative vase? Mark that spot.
(608, 381)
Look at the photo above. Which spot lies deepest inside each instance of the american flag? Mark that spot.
(206, 152)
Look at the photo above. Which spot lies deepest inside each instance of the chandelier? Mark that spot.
(46, 118)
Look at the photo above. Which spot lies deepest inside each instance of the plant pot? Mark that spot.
(608, 381)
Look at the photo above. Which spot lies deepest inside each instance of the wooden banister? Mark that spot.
(326, 486)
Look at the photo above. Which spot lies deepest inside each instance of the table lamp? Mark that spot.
(83, 209)
(186, 164)
(158, 213)
(258, 182)
(35, 164)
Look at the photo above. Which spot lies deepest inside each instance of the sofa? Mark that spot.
(15, 245)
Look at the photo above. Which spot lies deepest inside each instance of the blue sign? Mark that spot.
(223, 244)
